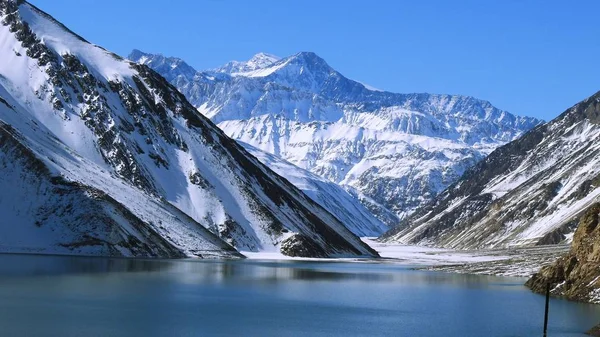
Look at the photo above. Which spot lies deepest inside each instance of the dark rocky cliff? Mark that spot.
(576, 275)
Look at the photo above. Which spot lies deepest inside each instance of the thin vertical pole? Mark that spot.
(546, 312)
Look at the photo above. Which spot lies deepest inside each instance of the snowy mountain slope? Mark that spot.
(397, 151)
(530, 191)
(327, 194)
(120, 128)
(48, 208)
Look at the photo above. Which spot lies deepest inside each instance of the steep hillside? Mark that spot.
(105, 123)
(43, 212)
(530, 191)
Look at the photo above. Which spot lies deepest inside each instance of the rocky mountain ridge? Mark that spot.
(393, 151)
(533, 190)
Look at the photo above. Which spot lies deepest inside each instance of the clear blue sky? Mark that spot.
(529, 57)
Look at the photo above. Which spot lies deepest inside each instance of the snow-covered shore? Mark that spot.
(517, 261)
(521, 262)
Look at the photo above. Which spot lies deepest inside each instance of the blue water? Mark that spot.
(69, 296)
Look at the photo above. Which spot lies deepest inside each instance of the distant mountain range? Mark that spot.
(533, 190)
(394, 152)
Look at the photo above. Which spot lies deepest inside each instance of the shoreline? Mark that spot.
(516, 261)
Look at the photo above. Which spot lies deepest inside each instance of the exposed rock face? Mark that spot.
(530, 191)
(300, 246)
(576, 275)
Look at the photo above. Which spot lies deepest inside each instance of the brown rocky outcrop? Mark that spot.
(576, 275)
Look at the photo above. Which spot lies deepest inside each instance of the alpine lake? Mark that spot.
(66, 296)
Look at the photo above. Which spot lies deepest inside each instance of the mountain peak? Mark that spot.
(264, 57)
(308, 55)
(258, 61)
(176, 65)
(138, 54)
(309, 58)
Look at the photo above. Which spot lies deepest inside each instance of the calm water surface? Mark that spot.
(71, 296)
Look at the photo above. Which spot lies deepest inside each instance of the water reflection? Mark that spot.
(191, 270)
(13, 265)
(123, 297)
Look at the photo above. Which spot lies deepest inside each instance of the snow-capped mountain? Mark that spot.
(393, 151)
(530, 191)
(258, 61)
(103, 156)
